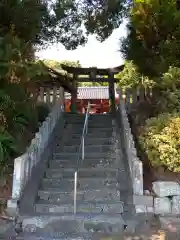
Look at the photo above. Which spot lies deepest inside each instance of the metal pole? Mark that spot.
(75, 191)
(83, 148)
(87, 125)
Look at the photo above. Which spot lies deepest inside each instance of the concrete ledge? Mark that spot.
(160, 206)
(144, 209)
(144, 200)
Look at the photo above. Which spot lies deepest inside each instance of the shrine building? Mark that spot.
(97, 96)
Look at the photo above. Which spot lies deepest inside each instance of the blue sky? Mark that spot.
(94, 53)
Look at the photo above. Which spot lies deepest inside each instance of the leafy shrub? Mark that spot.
(42, 111)
(8, 149)
(130, 77)
(169, 101)
(170, 79)
(18, 83)
(160, 138)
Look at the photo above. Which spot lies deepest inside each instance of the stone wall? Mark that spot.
(27, 163)
(135, 165)
(164, 200)
(165, 197)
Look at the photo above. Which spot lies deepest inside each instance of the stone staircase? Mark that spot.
(104, 197)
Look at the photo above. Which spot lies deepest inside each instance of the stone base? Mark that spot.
(12, 207)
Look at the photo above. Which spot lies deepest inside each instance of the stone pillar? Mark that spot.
(111, 92)
(74, 95)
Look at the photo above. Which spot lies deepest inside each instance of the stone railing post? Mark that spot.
(24, 165)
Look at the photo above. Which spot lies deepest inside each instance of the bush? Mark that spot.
(160, 138)
(169, 102)
(170, 79)
(42, 111)
(8, 149)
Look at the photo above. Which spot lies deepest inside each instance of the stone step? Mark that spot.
(93, 163)
(70, 223)
(87, 148)
(97, 134)
(91, 122)
(102, 138)
(83, 183)
(91, 127)
(57, 194)
(74, 156)
(89, 140)
(43, 235)
(74, 119)
(101, 128)
(102, 147)
(82, 172)
(68, 147)
(92, 207)
(92, 130)
(140, 228)
(91, 116)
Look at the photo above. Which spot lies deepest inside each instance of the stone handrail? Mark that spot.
(24, 165)
(135, 165)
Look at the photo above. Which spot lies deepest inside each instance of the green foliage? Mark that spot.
(160, 138)
(71, 63)
(153, 41)
(169, 91)
(171, 79)
(18, 82)
(8, 149)
(101, 17)
(25, 26)
(43, 21)
(130, 77)
(168, 102)
(52, 63)
(14, 65)
(58, 65)
(42, 111)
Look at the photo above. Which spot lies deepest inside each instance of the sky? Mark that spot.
(94, 53)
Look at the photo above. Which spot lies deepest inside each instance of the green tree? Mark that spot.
(58, 64)
(130, 77)
(153, 40)
(18, 84)
(68, 63)
(39, 22)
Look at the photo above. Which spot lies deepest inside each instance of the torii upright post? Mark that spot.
(74, 95)
(111, 92)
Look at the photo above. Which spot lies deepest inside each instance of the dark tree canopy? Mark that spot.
(46, 21)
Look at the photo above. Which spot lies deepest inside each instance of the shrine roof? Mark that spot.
(92, 93)
(57, 78)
